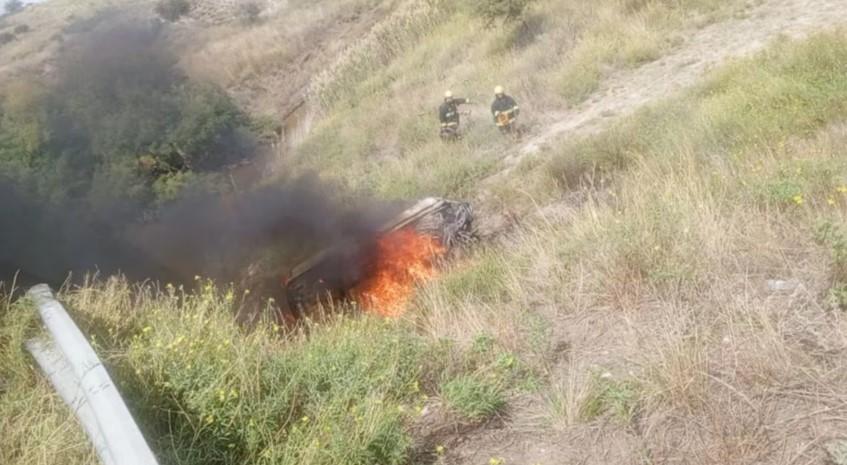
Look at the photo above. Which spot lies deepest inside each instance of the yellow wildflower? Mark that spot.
(798, 199)
(495, 461)
(830, 201)
(439, 449)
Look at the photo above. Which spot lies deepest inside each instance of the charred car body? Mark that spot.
(332, 274)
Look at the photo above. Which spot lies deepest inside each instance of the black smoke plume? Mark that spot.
(220, 236)
(212, 236)
(41, 243)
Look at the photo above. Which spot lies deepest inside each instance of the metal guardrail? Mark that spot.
(81, 380)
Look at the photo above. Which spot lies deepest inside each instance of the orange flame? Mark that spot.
(403, 258)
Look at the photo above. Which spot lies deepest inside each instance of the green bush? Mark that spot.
(222, 396)
(116, 120)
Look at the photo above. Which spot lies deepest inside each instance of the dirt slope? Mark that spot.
(624, 92)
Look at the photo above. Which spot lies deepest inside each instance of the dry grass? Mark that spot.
(231, 54)
(715, 302)
(46, 22)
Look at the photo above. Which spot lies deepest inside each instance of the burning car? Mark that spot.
(378, 273)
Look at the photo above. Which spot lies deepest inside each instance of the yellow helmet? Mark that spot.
(498, 90)
(448, 94)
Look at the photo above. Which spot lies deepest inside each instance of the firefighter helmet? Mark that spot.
(448, 95)
(498, 90)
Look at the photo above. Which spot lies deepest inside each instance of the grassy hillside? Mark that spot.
(208, 391)
(380, 99)
(676, 296)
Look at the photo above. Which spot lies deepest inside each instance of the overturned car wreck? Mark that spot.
(374, 272)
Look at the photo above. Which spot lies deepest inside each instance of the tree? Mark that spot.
(505, 10)
(118, 115)
(13, 6)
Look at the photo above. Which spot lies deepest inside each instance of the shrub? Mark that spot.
(620, 398)
(473, 397)
(21, 29)
(6, 37)
(13, 6)
(172, 10)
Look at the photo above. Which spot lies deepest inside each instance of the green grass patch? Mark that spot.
(794, 88)
(473, 396)
(483, 278)
(207, 391)
(36, 426)
(618, 398)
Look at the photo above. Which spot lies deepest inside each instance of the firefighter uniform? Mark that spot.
(504, 104)
(448, 112)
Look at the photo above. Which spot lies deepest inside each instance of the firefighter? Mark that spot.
(504, 110)
(448, 114)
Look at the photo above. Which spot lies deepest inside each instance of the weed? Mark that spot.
(483, 279)
(619, 398)
(474, 397)
(833, 237)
